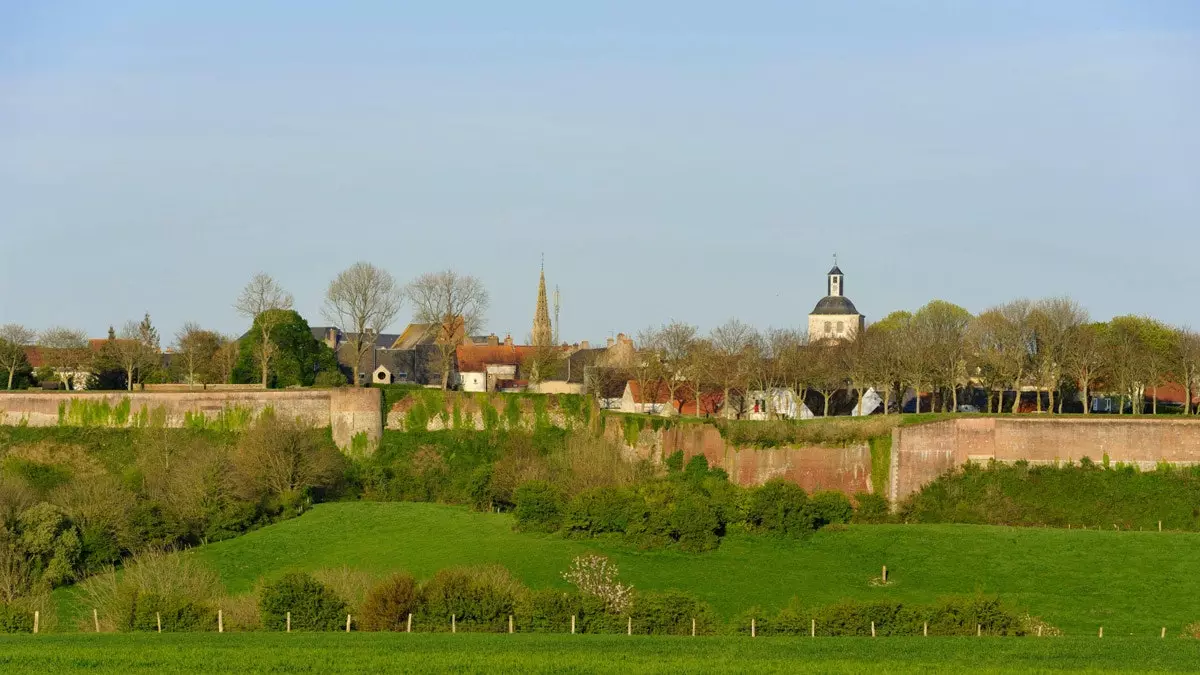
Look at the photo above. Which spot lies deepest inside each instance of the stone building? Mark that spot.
(834, 317)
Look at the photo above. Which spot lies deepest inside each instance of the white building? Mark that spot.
(778, 403)
(834, 317)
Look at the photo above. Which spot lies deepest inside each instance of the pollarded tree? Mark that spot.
(264, 302)
(363, 300)
(451, 306)
(13, 340)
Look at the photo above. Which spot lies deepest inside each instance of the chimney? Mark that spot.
(508, 341)
(493, 341)
(609, 342)
(585, 345)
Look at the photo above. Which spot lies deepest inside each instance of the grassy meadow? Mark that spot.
(1131, 583)
(477, 653)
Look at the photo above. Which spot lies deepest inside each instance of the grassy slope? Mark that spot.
(367, 652)
(1129, 582)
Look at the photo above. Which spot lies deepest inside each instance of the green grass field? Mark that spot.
(1132, 583)
(366, 652)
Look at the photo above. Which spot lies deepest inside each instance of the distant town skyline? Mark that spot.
(688, 161)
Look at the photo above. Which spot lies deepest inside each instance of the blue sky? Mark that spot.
(673, 160)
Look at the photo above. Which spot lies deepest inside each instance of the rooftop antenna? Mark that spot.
(835, 259)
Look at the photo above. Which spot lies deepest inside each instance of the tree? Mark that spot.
(866, 361)
(363, 300)
(676, 343)
(66, 351)
(13, 340)
(827, 372)
(134, 349)
(729, 358)
(1007, 332)
(297, 357)
(1055, 322)
(452, 306)
(649, 369)
(283, 459)
(767, 363)
(1085, 358)
(942, 328)
(264, 302)
(1188, 357)
(1125, 354)
(196, 354)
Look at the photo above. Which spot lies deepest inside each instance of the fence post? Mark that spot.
(453, 623)
(1039, 631)
(409, 629)
(885, 574)
(510, 623)
(978, 630)
(289, 622)
(1164, 632)
(693, 626)
(36, 619)
(752, 628)
(572, 624)
(812, 630)
(872, 629)
(1101, 631)
(1160, 526)
(96, 619)
(220, 621)
(629, 627)
(347, 623)
(925, 629)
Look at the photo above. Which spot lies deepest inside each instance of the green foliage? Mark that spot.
(779, 507)
(828, 508)
(512, 413)
(671, 613)
(312, 605)
(961, 616)
(871, 508)
(330, 378)
(605, 510)
(298, 359)
(177, 614)
(14, 619)
(674, 462)
(881, 462)
(42, 478)
(231, 418)
(1085, 494)
(389, 603)
(50, 542)
(475, 599)
(539, 507)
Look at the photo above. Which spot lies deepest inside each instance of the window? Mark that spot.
(828, 327)
(841, 326)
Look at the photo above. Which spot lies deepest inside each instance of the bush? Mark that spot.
(539, 507)
(829, 507)
(695, 526)
(176, 613)
(779, 507)
(154, 584)
(872, 508)
(388, 605)
(671, 613)
(949, 616)
(15, 619)
(312, 605)
(330, 378)
(599, 511)
(476, 598)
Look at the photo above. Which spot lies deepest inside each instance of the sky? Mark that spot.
(675, 160)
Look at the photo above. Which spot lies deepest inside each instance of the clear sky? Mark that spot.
(677, 159)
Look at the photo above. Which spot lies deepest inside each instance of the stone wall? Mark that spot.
(921, 453)
(347, 410)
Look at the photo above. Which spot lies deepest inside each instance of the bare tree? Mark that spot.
(1055, 322)
(676, 343)
(650, 369)
(452, 306)
(362, 300)
(1013, 337)
(258, 302)
(768, 365)
(225, 358)
(731, 343)
(13, 340)
(66, 351)
(1188, 356)
(196, 354)
(134, 349)
(1085, 358)
(827, 372)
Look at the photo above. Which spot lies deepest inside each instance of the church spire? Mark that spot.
(542, 333)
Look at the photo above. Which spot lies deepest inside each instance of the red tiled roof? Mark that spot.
(659, 393)
(685, 397)
(475, 358)
(1172, 392)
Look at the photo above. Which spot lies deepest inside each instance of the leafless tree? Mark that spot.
(362, 300)
(827, 371)
(1055, 322)
(452, 306)
(768, 363)
(650, 370)
(731, 342)
(13, 340)
(1085, 359)
(259, 302)
(134, 349)
(65, 350)
(1012, 338)
(225, 358)
(676, 343)
(1188, 356)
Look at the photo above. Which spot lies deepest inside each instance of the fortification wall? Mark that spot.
(812, 467)
(347, 411)
(921, 453)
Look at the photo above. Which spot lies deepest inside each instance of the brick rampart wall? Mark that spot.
(921, 453)
(347, 410)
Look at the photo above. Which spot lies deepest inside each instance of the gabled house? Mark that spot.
(493, 366)
(777, 403)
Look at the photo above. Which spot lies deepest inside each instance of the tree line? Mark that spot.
(279, 349)
(1049, 349)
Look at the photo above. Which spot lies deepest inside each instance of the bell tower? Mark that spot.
(836, 287)
(543, 334)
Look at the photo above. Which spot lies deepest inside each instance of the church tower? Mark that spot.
(835, 317)
(542, 333)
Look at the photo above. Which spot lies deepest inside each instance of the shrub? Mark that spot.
(599, 511)
(348, 583)
(388, 604)
(155, 584)
(966, 615)
(829, 507)
(240, 612)
(596, 576)
(539, 507)
(695, 526)
(779, 507)
(313, 606)
(671, 613)
(872, 508)
(14, 619)
(477, 598)
(330, 378)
